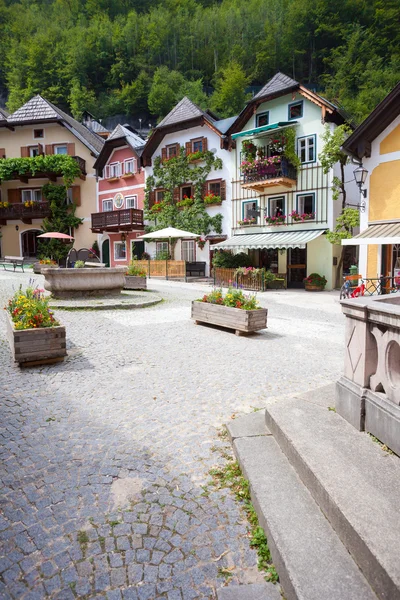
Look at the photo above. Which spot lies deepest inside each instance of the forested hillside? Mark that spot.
(125, 56)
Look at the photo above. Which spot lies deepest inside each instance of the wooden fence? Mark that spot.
(170, 269)
(252, 282)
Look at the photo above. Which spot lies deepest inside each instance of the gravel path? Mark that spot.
(103, 457)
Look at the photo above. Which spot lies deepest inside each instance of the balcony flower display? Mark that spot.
(276, 220)
(157, 207)
(246, 221)
(277, 144)
(261, 166)
(4, 204)
(211, 198)
(301, 217)
(249, 150)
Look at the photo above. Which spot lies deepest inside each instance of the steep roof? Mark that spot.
(97, 127)
(40, 110)
(277, 84)
(121, 135)
(185, 110)
(224, 124)
(3, 114)
(359, 142)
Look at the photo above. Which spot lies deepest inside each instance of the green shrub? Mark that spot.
(79, 264)
(227, 260)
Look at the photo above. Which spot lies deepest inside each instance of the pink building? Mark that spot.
(120, 197)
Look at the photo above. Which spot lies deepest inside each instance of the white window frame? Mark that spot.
(188, 250)
(59, 146)
(162, 247)
(128, 199)
(103, 204)
(32, 150)
(305, 141)
(116, 245)
(272, 205)
(30, 195)
(134, 165)
(113, 170)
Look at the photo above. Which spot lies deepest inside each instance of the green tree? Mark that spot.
(229, 96)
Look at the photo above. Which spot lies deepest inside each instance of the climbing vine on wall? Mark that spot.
(169, 175)
(59, 164)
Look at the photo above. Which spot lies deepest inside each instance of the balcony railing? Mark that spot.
(18, 211)
(278, 173)
(117, 220)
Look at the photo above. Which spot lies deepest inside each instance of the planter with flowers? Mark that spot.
(277, 220)
(301, 217)
(315, 283)
(235, 311)
(186, 201)
(43, 264)
(157, 207)
(35, 336)
(135, 277)
(212, 199)
(201, 243)
(245, 222)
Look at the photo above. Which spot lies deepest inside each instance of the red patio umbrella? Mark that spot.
(56, 235)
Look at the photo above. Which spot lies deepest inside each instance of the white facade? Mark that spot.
(225, 174)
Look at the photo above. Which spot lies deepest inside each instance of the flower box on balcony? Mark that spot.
(211, 199)
(301, 217)
(281, 220)
(246, 222)
(127, 175)
(242, 321)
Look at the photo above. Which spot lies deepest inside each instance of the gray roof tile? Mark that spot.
(278, 83)
(134, 140)
(38, 109)
(97, 127)
(185, 110)
(3, 114)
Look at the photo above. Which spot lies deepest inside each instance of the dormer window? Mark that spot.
(130, 166)
(262, 119)
(295, 110)
(113, 170)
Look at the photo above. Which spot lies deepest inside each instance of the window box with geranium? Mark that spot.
(211, 198)
(35, 336)
(245, 222)
(277, 220)
(301, 217)
(235, 311)
(315, 283)
(186, 201)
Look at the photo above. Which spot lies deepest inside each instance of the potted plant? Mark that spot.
(235, 311)
(301, 217)
(315, 283)
(35, 336)
(211, 198)
(252, 221)
(42, 264)
(277, 220)
(135, 277)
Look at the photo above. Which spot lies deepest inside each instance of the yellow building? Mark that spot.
(376, 144)
(37, 128)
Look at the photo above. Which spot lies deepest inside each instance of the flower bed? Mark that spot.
(35, 336)
(235, 311)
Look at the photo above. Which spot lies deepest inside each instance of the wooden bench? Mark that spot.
(198, 268)
(14, 261)
(94, 264)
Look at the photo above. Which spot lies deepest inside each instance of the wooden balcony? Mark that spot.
(129, 219)
(23, 213)
(262, 177)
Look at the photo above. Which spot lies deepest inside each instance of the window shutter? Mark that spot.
(40, 148)
(2, 152)
(71, 149)
(178, 149)
(300, 204)
(177, 194)
(107, 171)
(188, 147)
(204, 190)
(163, 154)
(14, 196)
(24, 152)
(205, 145)
(49, 149)
(76, 195)
(122, 168)
(152, 198)
(223, 189)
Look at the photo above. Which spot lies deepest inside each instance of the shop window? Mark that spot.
(295, 110)
(188, 250)
(262, 119)
(306, 149)
(119, 250)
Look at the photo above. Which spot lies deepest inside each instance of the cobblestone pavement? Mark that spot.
(103, 457)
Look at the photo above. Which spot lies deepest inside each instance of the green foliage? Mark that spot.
(59, 164)
(170, 175)
(316, 279)
(229, 96)
(227, 260)
(62, 219)
(290, 146)
(79, 264)
(234, 299)
(169, 87)
(135, 270)
(332, 143)
(345, 224)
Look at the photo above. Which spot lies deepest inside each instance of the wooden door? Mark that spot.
(296, 267)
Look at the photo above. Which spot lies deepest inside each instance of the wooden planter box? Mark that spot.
(134, 282)
(242, 321)
(42, 346)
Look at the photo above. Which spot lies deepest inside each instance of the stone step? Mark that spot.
(355, 482)
(311, 561)
(253, 591)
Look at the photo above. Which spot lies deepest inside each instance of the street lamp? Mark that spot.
(360, 175)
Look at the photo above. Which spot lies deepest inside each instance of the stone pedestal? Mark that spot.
(368, 395)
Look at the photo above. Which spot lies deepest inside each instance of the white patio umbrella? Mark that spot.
(168, 233)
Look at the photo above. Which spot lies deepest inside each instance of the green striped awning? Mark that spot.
(263, 128)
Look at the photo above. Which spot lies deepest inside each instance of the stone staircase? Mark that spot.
(327, 496)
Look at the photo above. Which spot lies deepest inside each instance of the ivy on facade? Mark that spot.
(170, 175)
(62, 165)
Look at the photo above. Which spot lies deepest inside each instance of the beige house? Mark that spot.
(36, 128)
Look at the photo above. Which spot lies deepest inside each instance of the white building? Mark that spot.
(280, 211)
(188, 127)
